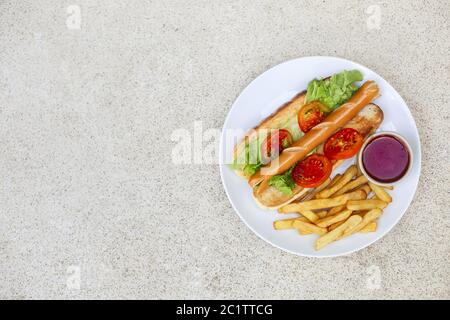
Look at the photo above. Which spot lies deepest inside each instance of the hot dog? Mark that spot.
(317, 135)
(287, 125)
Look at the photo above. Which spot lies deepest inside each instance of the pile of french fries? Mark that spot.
(338, 208)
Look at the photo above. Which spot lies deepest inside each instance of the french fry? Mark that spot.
(370, 216)
(360, 212)
(352, 185)
(309, 227)
(380, 192)
(287, 223)
(323, 185)
(331, 236)
(304, 232)
(366, 188)
(323, 203)
(313, 193)
(335, 179)
(308, 214)
(331, 184)
(328, 221)
(346, 177)
(356, 205)
(388, 187)
(322, 214)
(283, 224)
(335, 210)
(371, 227)
(335, 225)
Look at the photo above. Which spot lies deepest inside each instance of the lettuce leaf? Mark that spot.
(283, 182)
(249, 160)
(250, 169)
(334, 91)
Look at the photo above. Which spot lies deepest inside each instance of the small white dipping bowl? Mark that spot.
(368, 140)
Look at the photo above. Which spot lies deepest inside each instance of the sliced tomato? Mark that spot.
(343, 144)
(310, 115)
(312, 171)
(275, 143)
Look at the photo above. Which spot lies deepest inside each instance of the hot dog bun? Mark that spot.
(365, 122)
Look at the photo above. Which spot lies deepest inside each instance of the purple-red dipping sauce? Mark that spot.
(385, 159)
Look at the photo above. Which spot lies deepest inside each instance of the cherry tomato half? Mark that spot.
(310, 115)
(343, 144)
(275, 143)
(312, 171)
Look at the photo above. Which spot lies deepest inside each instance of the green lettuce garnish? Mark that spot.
(283, 182)
(334, 91)
(250, 169)
(249, 160)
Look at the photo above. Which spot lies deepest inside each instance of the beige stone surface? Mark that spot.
(88, 190)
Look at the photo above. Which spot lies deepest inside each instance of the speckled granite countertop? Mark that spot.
(90, 94)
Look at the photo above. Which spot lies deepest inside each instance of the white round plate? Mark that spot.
(262, 97)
